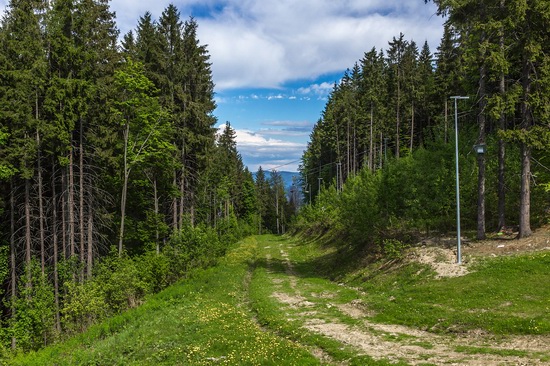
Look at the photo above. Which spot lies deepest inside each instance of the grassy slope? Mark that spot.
(226, 315)
(504, 295)
(201, 322)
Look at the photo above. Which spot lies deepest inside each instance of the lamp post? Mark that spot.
(458, 249)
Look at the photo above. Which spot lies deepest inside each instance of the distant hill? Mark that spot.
(287, 178)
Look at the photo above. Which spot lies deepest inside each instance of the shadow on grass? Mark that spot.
(337, 261)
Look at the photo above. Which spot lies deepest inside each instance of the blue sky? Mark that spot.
(274, 62)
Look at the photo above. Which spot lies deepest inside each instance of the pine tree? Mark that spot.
(143, 128)
(395, 63)
(21, 122)
(372, 90)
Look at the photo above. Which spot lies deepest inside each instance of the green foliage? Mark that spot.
(393, 248)
(359, 208)
(83, 305)
(202, 320)
(4, 264)
(34, 310)
(120, 282)
(319, 219)
(192, 247)
(154, 270)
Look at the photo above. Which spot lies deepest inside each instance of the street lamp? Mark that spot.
(480, 149)
(458, 253)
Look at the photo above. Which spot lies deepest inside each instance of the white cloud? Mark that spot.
(258, 43)
(267, 43)
(320, 90)
(258, 148)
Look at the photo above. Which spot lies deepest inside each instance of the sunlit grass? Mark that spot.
(504, 295)
(200, 322)
(229, 315)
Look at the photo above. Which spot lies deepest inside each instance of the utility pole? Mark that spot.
(458, 249)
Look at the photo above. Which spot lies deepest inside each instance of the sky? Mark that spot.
(274, 62)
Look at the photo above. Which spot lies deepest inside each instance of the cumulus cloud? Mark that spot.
(259, 148)
(320, 90)
(288, 40)
(267, 43)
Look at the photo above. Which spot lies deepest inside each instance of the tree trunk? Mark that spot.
(397, 120)
(354, 156)
(412, 128)
(381, 149)
(90, 252)
(41, 216)
(525, 194)
(28, 237)
(55, 255)
(175, 205)
(64, 213)
(156, 199)
(501, 143)
(348, 142)
(124, 190)
(371, 142)
(81, 202)
(182, 199)
(526, 123)
(501, 183)
(446, 119)
(182, 186)
(277, 208)
(71, 201)
(481, 157)
(13, 276)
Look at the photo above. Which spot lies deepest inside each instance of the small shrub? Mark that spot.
(393, 248)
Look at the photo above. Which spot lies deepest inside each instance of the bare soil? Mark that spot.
(414, 346)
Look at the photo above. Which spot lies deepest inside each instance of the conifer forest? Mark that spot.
(115, 183)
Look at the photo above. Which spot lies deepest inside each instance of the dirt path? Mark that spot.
(323, 313)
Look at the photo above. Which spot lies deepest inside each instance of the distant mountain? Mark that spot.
(287, 178)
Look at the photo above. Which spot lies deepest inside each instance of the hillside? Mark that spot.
(271, 302)
(289, 178)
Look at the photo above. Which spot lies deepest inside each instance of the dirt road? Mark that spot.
(337, 312)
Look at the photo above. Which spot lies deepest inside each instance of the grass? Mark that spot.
(502, 296)
(229, 314)
(203, 321)
(272, 276)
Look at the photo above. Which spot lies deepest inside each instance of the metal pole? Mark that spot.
(458, 248)
(320, 179)
(337, 178)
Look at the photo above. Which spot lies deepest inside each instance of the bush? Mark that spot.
(121, 281)
(83, 305)
(32, 323)
(192, 247)
(360, 210)
(316, 220)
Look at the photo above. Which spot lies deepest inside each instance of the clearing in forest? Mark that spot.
(280, 301)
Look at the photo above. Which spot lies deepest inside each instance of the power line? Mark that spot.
(292, 162)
